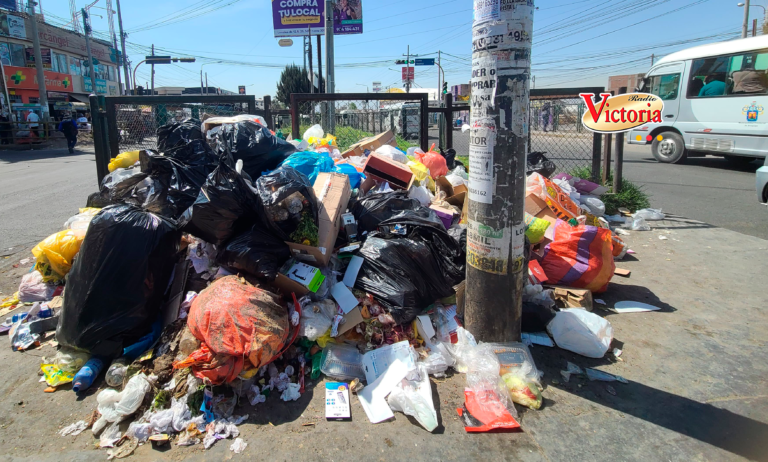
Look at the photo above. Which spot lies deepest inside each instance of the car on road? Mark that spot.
(715, 102)
(761, 182)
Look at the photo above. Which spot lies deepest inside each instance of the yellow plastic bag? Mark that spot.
(57, 251)
(55, 376)
(10, 301)
(123, 160)
(535, 228)
(92, 211)
(419, 170)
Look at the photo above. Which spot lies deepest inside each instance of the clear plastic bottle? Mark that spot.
(116, 372)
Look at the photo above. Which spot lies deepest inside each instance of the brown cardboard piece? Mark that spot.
(351, 319)
(332, 192)
(288, 285)
(371, 143)
(460, 289)
(380, 168)
(569, 297)
(622, 272)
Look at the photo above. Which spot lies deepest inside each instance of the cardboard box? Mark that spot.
(370, 144)
(568, 297)
(337, 401)
(332, 192)
(300, 278)
(442, 184)
(380, 168)
(444, 214)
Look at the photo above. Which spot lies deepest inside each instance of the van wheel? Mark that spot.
(671, 148)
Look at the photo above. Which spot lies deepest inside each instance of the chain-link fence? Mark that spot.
(351, 117)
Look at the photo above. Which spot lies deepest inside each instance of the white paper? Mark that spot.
(425, 327)
(537, 338)
(344, 297)
(634, 307)
(376, 362)
(350, 276)
(373, 397)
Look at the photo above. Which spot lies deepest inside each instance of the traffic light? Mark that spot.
(445, 88)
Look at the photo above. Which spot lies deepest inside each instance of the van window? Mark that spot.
(708, 77)
(748, 74)
(664, 86)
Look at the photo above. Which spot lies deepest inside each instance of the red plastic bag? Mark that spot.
(579, 256)
(212, 368)
(434, 161)
(483, 411)
(237, 319)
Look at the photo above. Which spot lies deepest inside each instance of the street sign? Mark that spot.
(241, 89)
(376, 87)
(408, 74)
(425, 61)
(286, 42)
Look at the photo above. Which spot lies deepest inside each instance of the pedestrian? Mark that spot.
(68, 126)
(32, 120)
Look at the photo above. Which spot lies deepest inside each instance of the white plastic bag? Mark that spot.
(421, 194)
(414, 398)
(460, 171)
(316, 319)
(595, 206)
(638, 224)
(33, 289)
(582, 332)
(315, 131)
(462, 349)
(650, 214)
(115, 406)
(392, 152)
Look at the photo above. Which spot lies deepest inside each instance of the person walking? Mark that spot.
(68, 126)
(32, 120)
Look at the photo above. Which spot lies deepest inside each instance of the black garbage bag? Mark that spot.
(116, 187)
(259, 149)
(225, 207)
(375, 208)
(538, 162)
(116, 286)
(450, 158)
(459, 234)
(256, 252)
(274, 188)
(536, 317)
(176, 134)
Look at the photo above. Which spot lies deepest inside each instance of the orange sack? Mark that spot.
(434, 161)
(237, 319)
(211, 368)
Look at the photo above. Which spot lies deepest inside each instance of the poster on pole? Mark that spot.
(296, 18)
(348, 17)
(409, 74)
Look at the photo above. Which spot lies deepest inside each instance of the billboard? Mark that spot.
(348, 17)
(8, 5)
(241, 89)
(293, 18)
(376, 87)
(408, 74)
(12, 26)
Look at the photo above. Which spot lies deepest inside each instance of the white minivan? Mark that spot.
(715, 102)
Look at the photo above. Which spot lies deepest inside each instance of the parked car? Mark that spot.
(761, 182)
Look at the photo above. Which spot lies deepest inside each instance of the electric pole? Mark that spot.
(745, 24)
(119, 79)
(38, 62)
(408, 71)
(122, 46)
(330, 83)
(497, 147)
(319, 66)
(311, 72)
(153, 73)
(87, 29)
(652, 56)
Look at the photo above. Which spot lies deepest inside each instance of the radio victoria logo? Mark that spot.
(620, 113)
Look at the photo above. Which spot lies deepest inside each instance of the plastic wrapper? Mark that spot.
(237, 319)
(315, 131)
(224, 207)
(310, 163)
(372, 209)
(274, 188)
(212, 122)
(123, 160)
(421, 194)
(316, 319)
(535, 228)
(414, 398)
(57, 251)
(34, 289)
(596, 206)
(537, 162)
(115, 406)
(419, 170)
(255, 145)
(434, 161)
(392, 153)
(650, 214)
(176, 134)
(582, 332)
(355, 177)
(116, 286)
(256, 252)
(116, 187)
(79, 223)
(342, 362)
(54, 376)
(518, 372)
(638, 223)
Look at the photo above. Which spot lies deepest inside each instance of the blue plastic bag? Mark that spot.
(310, 163)
(355, 177)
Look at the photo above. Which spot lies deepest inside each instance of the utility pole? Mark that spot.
(122, 47)
(319, 67)
(439, 77)
(38, 62)
(201, 81)
(330, 83)
(153, 73)
(754, 27)
(87, 29)
(652, 57)
(119, 79)
(408, 72)
(206, 84)
(745, 24)
(497, 147)
(311, 72)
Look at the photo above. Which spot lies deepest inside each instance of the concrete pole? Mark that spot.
(87, 29)
(319, 67)
(119, 79)
(408, 72)
(309, 58)
(122, 46)
(153, 72)
(38, 63)
(330, 82)
(497, 149)
(745, 23)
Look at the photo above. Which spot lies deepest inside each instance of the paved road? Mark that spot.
(704, 188)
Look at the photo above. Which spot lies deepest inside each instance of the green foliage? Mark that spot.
(306, 232)
(631, 196)
(293, 79)
(352, 106)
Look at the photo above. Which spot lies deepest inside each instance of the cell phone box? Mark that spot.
(337, 401)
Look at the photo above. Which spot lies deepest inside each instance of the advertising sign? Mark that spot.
(408, 74)
(241, 89)
(45, 54)
(66, 40)
(8, 5)
(12, 26)
(26, 78)
(376, 87)
(348, 17)
(101, 86)
(292, 18)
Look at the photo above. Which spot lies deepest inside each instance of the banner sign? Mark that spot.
(12, 26)
(408, 74)
(348, 17)
(26, 78)
(294, 18)
(101, 86)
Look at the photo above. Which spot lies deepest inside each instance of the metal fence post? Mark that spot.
(597, 141)
(252, 105)
(101, 150)
(448, 120)
(268, 112)
(617, 170)
(294, 117)
(112, 129)
(607, 141)
(424, 135)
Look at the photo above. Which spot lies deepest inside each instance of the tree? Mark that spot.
(352, 106)
(293, 79)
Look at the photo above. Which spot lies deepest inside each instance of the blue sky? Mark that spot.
(576, 42)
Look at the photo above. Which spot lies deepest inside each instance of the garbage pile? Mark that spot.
(232, 266)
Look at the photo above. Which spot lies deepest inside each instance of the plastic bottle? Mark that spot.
(116, 372)
(87, 374)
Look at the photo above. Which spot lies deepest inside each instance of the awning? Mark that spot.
(81, 98)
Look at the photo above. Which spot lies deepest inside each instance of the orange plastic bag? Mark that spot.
(434, 161)
(212, 368)
(237, 319)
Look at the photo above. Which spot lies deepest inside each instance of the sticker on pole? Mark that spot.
(488, 248)
(481, 142)
(486, 10)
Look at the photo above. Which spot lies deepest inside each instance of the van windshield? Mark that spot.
(664, 86)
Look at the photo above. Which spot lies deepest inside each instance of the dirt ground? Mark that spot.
(696, 370)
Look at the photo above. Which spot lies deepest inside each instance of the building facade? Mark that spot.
(65, 63)
(631, 81)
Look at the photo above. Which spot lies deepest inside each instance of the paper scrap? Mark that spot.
(376, 362)
(373, 397)
(344, 297)
(425, 327)
(350, 276)
(537, 338)
(634, 307)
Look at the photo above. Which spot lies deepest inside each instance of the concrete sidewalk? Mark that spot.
(696, 371)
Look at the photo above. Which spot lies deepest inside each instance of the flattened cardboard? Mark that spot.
(332, 192)
(371, 144)
(351, 319)
(569, 297)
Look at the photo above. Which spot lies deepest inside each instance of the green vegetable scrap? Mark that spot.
(306, 232)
